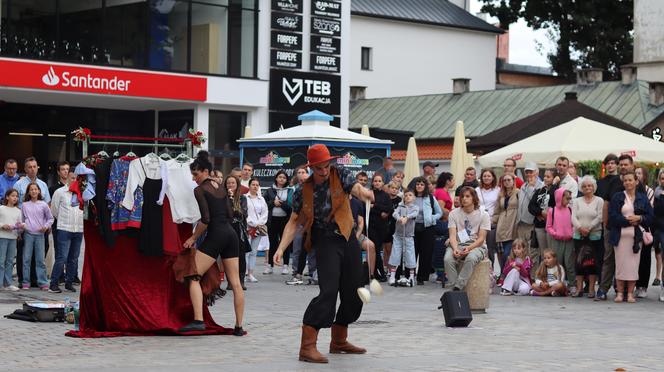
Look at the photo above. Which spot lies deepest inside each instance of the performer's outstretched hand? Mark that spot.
(277, 257)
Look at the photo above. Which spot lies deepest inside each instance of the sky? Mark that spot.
(523, 41)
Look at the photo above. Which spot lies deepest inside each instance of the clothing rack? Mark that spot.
(180, 143)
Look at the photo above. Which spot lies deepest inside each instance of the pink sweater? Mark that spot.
(559, 219)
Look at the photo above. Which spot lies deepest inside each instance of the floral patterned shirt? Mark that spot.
(322, 199)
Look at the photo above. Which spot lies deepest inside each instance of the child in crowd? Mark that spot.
(38, 219)
(393, 191)
(550, 277)
(10, 224)
(404, 242)
(560, 229)
(516, 273)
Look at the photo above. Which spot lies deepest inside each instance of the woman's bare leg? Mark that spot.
(233, 277)
(630, 290)
(620, 289)
(203, 263)
(658, 272)
(369, 246)
(579, 283)
(591, 283)
(387, 251)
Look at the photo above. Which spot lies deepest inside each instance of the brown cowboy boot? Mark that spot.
(308, 351)
(339, 345)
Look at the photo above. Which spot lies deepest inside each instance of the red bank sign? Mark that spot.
(86, 79)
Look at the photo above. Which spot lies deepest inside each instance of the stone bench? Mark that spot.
(479, 286)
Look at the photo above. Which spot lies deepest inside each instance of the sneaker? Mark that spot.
(12, 288)
(661, 295)
(194, 326)
(641, 293)
(656, 282)
(391, 280)
(77, 281)
(505, 292)
(44, 287)
(285, 270)
(601, 295)
(252, 279)
(411, 282)
(267, 271)
(25, 286)
(70, 287)
(294, 281)
(55, 289)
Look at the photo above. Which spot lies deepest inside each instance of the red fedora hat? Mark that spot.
(317, 154)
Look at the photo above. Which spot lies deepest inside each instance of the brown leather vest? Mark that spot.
(340, 212)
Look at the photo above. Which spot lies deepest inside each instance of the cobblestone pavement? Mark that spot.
(402, 330)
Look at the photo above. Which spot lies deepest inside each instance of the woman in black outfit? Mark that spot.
(220, 241)
(277, 198)
(239, 202)
(381, 212)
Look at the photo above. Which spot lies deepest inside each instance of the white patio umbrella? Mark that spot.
(365, 131)
(460, 156)
(579, 139)
(411, 167)
(247, 132)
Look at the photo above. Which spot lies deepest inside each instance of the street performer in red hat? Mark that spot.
(322, 206)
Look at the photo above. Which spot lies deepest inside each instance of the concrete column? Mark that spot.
(202, 122)
(259, 121)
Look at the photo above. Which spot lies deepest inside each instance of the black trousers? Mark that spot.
(339, 267)
(424, 241)
(644, 266)
(274, 232)
(377, 236)
(19, 262)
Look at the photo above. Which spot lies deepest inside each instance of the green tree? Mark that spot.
(587, 33)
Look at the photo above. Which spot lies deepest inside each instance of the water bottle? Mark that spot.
(76, 315)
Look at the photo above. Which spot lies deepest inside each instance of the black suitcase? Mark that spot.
(456, 309)
(45, 311)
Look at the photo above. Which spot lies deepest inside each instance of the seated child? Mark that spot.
(550, 277)
(516, 273)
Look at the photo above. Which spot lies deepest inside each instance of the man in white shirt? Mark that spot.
(468, 228)
(566, 180)
(70, 236)
(247, 172)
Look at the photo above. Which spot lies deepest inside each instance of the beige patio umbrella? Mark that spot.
(460, 158)
(365, 131)
(411, 167)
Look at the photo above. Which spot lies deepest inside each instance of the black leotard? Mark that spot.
(221, 239)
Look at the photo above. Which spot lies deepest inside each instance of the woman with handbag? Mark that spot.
(239, 223)
(587, 222)
(278, 198)
(629, 213)
(256, 228)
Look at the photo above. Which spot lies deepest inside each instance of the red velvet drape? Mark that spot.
(124, 293)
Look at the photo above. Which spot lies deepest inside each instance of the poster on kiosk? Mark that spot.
(287, 148)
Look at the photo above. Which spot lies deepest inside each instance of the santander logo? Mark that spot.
(85, 81)
(50, 78)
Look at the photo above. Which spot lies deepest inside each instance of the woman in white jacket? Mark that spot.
(256, 219)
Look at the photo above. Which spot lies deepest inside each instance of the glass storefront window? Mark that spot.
(81, 31)
(168, 35)
(31, 29)
(226, 127)
(125, 35)
(217, 37)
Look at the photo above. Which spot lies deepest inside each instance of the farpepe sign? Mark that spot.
(268, 161)
(117, 82)
(294, 91)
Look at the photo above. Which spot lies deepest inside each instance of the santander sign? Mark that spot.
(92, 79)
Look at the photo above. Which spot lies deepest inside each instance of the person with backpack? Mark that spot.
(425, 226)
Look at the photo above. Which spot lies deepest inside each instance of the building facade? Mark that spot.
(156, 68)
(417, 47)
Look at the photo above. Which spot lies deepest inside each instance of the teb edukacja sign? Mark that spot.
(294, 91)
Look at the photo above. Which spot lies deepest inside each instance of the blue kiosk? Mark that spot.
(287, 148)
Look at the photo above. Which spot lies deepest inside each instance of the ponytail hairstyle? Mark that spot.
(201, 162)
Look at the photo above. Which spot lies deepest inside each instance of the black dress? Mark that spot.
(151, 235)
(216, 212)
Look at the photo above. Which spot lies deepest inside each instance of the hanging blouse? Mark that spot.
(148, 166)
(179, 187)
(121, 217)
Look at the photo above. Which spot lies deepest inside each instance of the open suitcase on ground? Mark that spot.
(40, 311)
